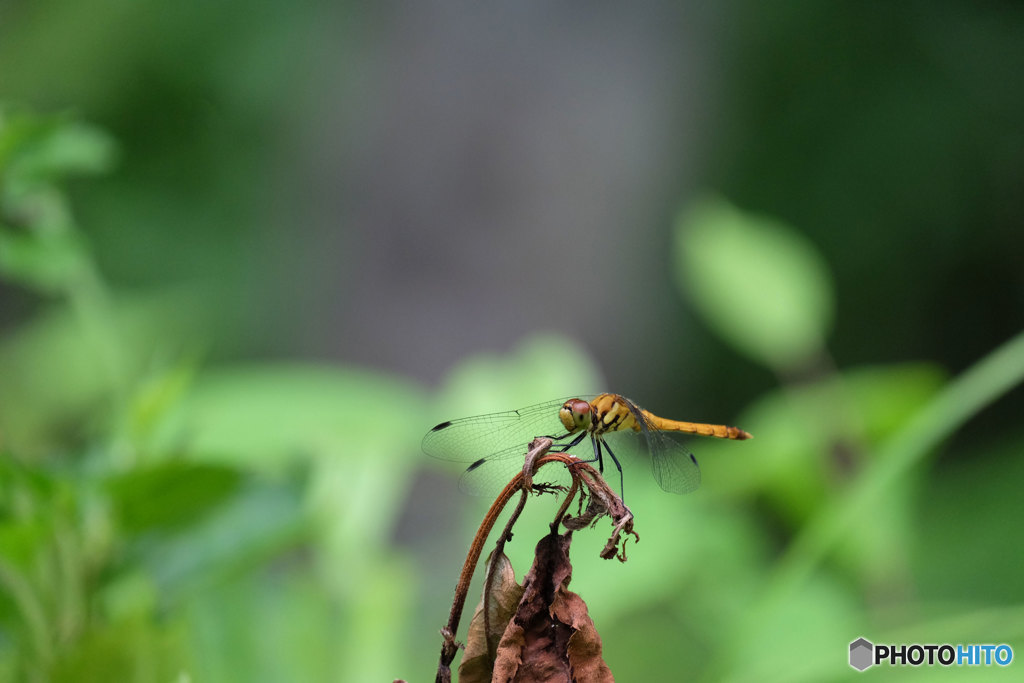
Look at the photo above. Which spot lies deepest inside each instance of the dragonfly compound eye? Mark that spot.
(575, 415)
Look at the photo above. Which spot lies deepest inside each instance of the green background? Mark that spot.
(251, 252)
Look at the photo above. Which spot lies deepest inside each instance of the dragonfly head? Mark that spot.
(575, 415)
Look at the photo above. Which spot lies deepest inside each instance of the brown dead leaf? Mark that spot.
(484, 634)
(551, 637)
(595, 509)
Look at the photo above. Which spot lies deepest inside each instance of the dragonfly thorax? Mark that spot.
(575, 415)
(611, 414)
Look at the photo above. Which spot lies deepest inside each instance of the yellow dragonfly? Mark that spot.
(495, 444)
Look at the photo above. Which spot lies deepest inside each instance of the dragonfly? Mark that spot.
(587, 427)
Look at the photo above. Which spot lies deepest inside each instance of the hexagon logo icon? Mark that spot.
(861, 654)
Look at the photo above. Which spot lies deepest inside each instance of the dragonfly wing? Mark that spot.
(496, 445)
(496, 434)
(487, 476)
(674, 467)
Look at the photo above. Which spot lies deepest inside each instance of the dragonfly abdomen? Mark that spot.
(698, 428)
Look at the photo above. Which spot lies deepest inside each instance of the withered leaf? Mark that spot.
(551, 637)
(501, 599)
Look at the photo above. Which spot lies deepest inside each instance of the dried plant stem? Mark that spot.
(450, 647)
(568, 499)
(499, 549)
(582, 474)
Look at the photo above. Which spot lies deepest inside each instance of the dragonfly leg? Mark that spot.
(574, 442)
(597, 451)
(608, 448)
(598, 456)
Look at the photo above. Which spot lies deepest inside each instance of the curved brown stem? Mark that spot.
(450, 647)
(573, 490)
(499, 548)
(537, 457)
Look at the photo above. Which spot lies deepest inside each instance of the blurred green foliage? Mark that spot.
(762, 286)
(145, 502)
(167, 519)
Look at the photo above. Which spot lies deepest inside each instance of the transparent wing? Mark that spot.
(498, 435)
(496, 445)
(674, 467)
(488, 476)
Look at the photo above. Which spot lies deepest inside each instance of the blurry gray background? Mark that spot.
(500, 172)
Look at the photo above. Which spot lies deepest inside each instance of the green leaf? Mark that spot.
(712, 569)
(131, 650)
(792, 459)
(55, 377)
(169, 495)
(961, 399)
(259, 629)
(146, 417)
(758, 283)
(262, 521)
(265, 415)
(20, 541)
(37, 149)
(44, 263)
(818, 620)
(963, 544)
